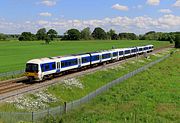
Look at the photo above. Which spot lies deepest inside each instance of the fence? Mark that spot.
(35, 116)
(12, 73)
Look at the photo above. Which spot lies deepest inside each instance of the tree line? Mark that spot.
(97, 34)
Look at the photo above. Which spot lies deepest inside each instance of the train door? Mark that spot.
(79, 62)
(58, 67)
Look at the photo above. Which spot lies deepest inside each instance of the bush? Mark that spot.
(177, 41)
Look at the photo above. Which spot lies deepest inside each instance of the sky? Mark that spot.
(137, 16)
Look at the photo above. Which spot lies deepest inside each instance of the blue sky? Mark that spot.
(136, 16)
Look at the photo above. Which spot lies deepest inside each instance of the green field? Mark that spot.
(149, 97)
(90, 82)
(14, 54)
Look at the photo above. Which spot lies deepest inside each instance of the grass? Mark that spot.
(14, 54)
(93, 81)
(90, 83)
(151, 96)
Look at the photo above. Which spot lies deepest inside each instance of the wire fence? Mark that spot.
(38, 116)
(12, 73)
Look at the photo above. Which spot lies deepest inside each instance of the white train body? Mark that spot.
(38, 69)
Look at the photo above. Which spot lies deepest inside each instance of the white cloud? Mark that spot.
(42, 22)
(48, 2)
(167, 11)
(120, 7)
(177, 3)
(153, 2)
(140, 24)
(45, 14)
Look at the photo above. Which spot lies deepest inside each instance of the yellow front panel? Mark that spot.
(31, 74)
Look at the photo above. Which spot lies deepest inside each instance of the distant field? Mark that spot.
(152, 96)
(14, 54)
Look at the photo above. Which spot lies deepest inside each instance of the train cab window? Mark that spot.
(31, 67)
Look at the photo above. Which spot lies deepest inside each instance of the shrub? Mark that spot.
(177, 41)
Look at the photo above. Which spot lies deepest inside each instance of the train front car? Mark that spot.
(32, 71)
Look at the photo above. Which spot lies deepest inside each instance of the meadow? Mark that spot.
(14, 54)
(75, 88)
(152, 96)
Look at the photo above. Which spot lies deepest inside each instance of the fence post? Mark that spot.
(32, 117)
(65, 107)
(48, 112)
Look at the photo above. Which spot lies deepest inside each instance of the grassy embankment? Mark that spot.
(152, 96)
(14, 54)
(90, 82)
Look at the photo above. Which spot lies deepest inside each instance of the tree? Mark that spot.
(150, 32)
(177, 41)
(99, 33)
(52, 34)
(27, 36)
(112, 35)
(86, 34)
(127, 36)
(41, 34)
(72, 34)
(47, 39)
(2, 36)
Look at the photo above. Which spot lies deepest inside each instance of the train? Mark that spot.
(43, 68)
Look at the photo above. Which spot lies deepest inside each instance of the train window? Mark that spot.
(53, 65)
(121, 53)
(85, 60)
(127, 51)
(105, 56)
(95, 58)
(46, 66)
(74, 62)
(133, 50)
(42, 68)
(115, 54)
(62, 64)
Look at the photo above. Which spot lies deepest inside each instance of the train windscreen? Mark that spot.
(31, 67)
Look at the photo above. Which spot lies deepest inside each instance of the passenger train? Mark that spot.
(40, 69)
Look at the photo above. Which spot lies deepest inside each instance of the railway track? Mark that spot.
(11, 85)
(11, 88)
